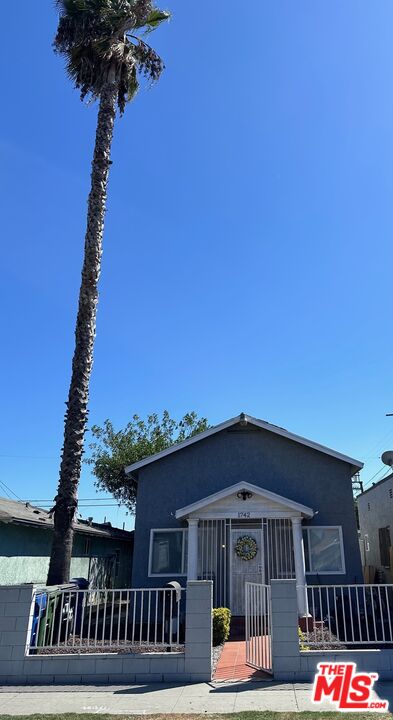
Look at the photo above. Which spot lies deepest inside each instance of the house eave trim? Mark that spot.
(267, 494)
(356, 464)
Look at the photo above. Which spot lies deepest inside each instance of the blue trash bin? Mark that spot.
(41, 600)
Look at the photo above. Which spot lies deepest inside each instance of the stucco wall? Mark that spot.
(379, 515)
(256, 456)
(25, 551)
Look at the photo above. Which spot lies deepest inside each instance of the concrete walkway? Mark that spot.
(165, 698)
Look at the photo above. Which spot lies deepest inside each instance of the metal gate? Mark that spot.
(217, 560)
(258, 626)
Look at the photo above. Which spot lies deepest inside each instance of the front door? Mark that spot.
(247, 564)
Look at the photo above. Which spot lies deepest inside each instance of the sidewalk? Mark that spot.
(165, 698)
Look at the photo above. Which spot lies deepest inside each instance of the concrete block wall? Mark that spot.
(199, 630)
(16, 667)
(15, 624)
(373, 660)
(290, 664)
(285, 639)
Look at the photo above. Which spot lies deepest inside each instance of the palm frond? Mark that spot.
(100, 39)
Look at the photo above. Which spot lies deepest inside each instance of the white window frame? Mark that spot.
(307, 528)
(172, 575)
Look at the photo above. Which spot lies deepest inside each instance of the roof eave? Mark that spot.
(356, 465)
(80, 530)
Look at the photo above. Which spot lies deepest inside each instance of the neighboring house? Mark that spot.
(375, 508)
(101, 553)
(245, 501)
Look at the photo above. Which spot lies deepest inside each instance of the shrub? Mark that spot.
(221, 625)
(302, 640)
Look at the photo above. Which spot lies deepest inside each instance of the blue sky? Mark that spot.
(247, 252)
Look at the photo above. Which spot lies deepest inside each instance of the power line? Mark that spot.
(49, 505)
(49, 500)
(81, 503)
(369, 457)
(7, 493)
(387, 473)
(30, 457)
(5, 487)
(382, 442)
(374, 476)
(378, 473)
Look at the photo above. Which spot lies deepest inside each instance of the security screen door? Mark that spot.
(245, 570)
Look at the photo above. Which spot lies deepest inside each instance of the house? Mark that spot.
(101, 553)
(375, 509)
(245, 501)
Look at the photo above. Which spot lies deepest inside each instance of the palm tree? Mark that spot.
(106, 54)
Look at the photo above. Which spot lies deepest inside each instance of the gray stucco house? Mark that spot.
(101, 553)
(245, 501)
(375, 508)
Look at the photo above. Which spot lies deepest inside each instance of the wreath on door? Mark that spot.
(246, 548)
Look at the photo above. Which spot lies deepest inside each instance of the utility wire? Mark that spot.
(378, 473)
(49, 505)
(5, 487)
(49, 500)
(374, 476)
(4, 490)
(381, 443)
(30, 457)
(82, 503)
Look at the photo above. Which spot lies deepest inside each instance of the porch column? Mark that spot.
(192, 566)
(298, 551)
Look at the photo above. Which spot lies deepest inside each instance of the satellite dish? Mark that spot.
(387, 458)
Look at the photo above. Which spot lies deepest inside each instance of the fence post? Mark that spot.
(199, 629)
(285, 638)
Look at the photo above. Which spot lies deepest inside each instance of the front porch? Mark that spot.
(245, 533)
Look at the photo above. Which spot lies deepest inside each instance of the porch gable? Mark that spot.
(244, 500)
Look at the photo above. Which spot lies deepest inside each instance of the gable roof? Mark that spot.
(261, 492)
(245, 419)
(22, 513)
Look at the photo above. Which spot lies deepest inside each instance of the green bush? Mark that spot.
(221, 625)
(302, 640)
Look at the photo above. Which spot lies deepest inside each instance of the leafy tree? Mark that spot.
(103, 44)
(114, 449)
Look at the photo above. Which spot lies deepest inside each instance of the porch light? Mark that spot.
(244, 495)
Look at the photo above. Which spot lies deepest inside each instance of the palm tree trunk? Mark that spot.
(78, 395)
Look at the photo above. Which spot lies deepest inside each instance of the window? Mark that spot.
(168, 551)
(384, 546)
(117, 562)
(323, 549)
(87, 546)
